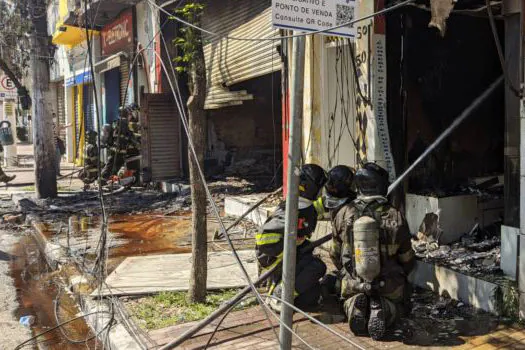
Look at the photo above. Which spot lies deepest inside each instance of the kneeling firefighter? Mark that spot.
(91, 161)
(270, 241)
(377, 257)
(339, 197)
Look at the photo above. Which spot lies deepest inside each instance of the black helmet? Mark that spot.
(372, 180)
(92, 137)
(312, 180)
(339, 187)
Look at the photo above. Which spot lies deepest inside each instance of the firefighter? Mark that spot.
(339, 195)
(91, 161)
(376, 257)
(117, 144)
(270, 241)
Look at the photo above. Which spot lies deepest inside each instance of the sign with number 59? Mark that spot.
(314, 15)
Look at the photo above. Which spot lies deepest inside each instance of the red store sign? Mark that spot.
(118, 36)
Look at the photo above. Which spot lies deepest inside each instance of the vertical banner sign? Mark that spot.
(373, 138)
(313, 15)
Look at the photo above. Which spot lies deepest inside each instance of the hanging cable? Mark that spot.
(497, 42)
(349, 23)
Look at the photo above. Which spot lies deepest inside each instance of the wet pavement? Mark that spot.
(39, 291)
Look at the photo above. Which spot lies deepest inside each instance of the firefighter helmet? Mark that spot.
(311, 182)
(92, 137)
(339, 187)
(372, 180)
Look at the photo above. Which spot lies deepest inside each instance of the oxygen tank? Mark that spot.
(366, 248)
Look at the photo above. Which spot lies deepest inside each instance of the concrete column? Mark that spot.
(10, 152)
(313, 96)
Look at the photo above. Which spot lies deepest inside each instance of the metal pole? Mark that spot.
(292, 196)
(467, 112)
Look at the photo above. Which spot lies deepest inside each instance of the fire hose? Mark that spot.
(237, 298)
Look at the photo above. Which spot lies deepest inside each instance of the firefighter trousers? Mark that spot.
(309, 270)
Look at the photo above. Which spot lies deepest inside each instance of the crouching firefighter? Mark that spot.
(91, 161)
(376, 256)
(270, 242)
(339, 197)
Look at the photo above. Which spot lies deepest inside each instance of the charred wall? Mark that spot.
(438, 78)
(251, 130)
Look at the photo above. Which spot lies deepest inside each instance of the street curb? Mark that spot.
(118, 336)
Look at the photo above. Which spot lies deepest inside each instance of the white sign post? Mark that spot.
(314, 15)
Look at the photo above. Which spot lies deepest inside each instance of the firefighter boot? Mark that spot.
(377, 322)
(275, 304)
(356, 309)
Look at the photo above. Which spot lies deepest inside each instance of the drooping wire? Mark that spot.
(346, 24)
(497, 42)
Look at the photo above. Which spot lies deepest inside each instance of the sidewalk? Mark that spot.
(249, 329)
(25, 176)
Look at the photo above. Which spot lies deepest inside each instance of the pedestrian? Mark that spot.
(376, 257)
(60, 147)
(3, 176)
(270, 242)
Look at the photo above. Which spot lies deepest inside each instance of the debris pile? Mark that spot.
(472, 258)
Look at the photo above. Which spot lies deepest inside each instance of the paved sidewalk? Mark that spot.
(249, 329)
(25, 176)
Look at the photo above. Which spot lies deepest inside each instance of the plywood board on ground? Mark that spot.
(158, 273)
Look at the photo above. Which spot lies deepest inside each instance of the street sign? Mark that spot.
(314, 15)
(7, 88)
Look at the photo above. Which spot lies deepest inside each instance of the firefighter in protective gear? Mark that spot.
(270, 241)
(121, 144)
(376, 257)
(91, 161)
(339, 194)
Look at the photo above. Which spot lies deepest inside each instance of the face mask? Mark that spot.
(332, 202)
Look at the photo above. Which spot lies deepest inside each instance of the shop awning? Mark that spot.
(70, 36)
(113, 61)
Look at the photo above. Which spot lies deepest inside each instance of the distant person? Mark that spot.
(3, 176)
(60, 147)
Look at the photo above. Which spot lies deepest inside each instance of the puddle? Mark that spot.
(151, 234)
(37, 289)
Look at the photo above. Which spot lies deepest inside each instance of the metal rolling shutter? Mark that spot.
(161, 151)
(89, 108)
(230, 62)
(61, 109)
(77, 123)
(124, 76)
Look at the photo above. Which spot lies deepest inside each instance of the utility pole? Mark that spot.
(43, 144)
(292, 195)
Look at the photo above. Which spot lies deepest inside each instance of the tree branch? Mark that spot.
(4, 66)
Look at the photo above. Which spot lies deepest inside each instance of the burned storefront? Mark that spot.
(459, 197)
(243, 97)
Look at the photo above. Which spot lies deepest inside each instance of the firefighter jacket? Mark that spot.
(91, 158)
(396, 254)
(340, 219)
(269, 243)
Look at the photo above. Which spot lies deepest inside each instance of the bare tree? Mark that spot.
(192, 62)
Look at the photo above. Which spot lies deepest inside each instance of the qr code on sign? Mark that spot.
(344, 14)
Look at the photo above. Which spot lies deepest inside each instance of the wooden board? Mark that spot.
(158, 273)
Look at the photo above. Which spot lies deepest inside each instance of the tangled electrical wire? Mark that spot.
(100, 268)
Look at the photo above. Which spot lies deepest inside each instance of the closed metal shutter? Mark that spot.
(124, 75)
(89, 108)
(161, 152)
(61, 109)
(230, 62)
(77, 122)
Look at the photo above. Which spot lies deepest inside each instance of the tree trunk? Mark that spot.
(44, 146)
(197, 125)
